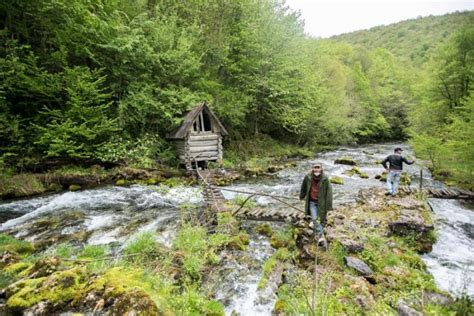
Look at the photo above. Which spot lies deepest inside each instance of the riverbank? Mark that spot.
(372, 266)
(242, 159)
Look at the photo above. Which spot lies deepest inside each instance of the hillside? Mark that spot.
(414, 39)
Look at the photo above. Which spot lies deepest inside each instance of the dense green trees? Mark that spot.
(82, 76)
(99, 79)
(442, 120)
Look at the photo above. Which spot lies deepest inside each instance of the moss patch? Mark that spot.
(337, 180)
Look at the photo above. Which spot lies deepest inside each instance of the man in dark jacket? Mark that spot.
(317, 192)
(394, 170)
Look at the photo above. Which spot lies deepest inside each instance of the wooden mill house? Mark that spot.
(199, 138)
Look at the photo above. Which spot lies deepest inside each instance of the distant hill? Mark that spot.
(413, 39)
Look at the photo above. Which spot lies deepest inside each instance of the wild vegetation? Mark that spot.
(108, 80)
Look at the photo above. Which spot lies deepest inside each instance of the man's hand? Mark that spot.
(386, 170)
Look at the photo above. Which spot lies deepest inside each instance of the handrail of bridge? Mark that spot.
(275, 197)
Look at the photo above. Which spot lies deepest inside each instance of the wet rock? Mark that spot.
(436, 298)
(275, 168)
(352, 246)
(405, 310)
(358, 265)
(345, 161)
(74, 187)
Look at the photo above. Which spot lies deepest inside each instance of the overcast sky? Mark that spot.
(324, 18)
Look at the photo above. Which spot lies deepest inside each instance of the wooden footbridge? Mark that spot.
(215, 200)
(444, 193)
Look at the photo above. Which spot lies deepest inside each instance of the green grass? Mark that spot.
(10, 244)
(261, 148)
(19, 185)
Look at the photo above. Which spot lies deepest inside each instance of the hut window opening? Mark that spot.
(202, 123)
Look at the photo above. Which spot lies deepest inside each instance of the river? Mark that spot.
(113, 215)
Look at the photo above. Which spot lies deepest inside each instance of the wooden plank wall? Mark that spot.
(206, 145)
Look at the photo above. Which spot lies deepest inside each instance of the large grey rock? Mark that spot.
(352, 246)
(405, 310)
(345, 161)
(358, 265)
(407, 222)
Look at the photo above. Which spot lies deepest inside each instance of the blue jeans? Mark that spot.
(318, 228)
(393, 178)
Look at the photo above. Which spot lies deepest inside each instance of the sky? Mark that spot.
(324, 18)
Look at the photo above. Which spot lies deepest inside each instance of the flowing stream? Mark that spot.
(113, 215)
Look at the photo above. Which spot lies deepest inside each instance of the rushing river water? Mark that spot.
(113, 215)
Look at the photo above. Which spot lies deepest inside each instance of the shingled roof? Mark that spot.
(189, 118)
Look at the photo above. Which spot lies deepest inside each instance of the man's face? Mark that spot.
(316, 169)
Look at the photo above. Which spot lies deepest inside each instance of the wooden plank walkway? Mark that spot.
(446, 193)
(271, 215)
(215, 201)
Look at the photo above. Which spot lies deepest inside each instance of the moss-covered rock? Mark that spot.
(135, 300)
(74, 187)
(19, 268)
(264, 229)
(345, 161)
(120, 182)
(239, 242)
(405, 178)
(337, 180)
(356, 170)
(61, 287)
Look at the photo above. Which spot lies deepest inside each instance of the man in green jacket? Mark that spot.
(317, 192)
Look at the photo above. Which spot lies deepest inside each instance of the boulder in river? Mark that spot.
(345, 161)
(409, 221)
(337, 180)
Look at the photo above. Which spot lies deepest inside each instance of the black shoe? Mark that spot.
(388, 193)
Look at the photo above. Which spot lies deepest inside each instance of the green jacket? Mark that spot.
(324, 197)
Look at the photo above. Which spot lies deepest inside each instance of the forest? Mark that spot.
(108, 80)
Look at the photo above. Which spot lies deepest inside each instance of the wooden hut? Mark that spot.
(199, 138)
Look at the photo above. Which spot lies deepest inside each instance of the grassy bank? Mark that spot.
(145, 277)
(149, 278)
(250, 157)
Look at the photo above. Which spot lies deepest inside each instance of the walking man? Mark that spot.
(317, 192)
(394, 170)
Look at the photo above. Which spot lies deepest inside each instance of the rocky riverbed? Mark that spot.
(149, 249)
